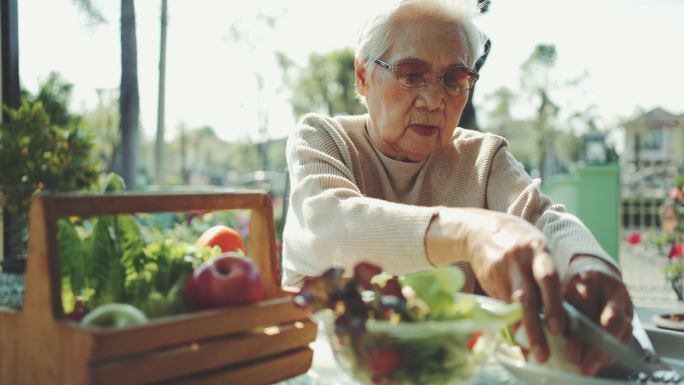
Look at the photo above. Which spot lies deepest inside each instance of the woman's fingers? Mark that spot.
(512, 263)
(524, 291)
(577, 292)
(616, 319)
(548, 281)
(603, 298)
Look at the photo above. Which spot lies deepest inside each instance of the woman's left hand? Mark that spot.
(596, 289)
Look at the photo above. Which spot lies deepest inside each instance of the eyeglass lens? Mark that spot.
(416, 74)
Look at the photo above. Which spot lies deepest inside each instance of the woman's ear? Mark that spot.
(360, 77)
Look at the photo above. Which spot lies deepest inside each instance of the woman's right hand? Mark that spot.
(511, 262)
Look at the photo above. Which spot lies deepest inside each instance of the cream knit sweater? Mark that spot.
(350, 203)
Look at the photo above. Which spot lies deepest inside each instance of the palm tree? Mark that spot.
(159, 145)
(537, 81)
(129, 102)
(129, 99)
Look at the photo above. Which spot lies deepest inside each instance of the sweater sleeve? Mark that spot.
(510, 189)
(331, 223)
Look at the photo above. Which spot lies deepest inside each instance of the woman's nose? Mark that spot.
(431, 96)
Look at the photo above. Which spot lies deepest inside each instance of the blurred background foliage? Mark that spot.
(198, 158)
(43, 147)
(325, 85)
(548, 141)
(48, 146)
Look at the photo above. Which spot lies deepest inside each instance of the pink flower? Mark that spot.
(634, 238)
(677, 194)
(675, 251)
(674, 193)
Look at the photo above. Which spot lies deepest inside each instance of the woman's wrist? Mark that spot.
(588, 262)
(447, 236)
(436, 244)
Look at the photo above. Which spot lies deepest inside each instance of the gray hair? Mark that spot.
(374, 40)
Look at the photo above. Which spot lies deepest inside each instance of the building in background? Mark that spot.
(653, 150)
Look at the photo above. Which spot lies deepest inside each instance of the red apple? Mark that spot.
(229, 279)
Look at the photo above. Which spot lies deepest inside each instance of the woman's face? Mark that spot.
(410, 124)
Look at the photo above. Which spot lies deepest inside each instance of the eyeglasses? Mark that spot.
(412, 74)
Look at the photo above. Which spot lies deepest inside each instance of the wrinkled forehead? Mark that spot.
(426, 36)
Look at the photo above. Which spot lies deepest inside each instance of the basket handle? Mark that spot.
(43, 260)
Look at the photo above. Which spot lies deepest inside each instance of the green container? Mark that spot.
(592, 192)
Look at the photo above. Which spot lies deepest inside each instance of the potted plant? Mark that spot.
(670, 241)
(42, 148)
(672, 219)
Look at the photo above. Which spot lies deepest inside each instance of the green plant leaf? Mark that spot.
(128, 237)
(71, 255)
(106, 270)
(111, 182)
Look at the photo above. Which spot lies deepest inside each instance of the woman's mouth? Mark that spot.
(424, 129)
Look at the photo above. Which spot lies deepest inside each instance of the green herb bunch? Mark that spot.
(118, 259)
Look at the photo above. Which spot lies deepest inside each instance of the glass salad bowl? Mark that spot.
(414, 329)
(427, 352)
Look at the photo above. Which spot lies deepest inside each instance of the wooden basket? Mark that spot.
(255, 344)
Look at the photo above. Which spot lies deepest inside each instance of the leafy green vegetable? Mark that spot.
(71, 255)
(450, 279)
(436, 288)
(107, 268)
(159, 287)
(106, 260)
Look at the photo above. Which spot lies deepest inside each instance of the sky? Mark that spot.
(627, 54)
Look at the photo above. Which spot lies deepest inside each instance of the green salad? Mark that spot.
(411, 329)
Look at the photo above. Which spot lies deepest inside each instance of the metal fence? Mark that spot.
(643, 264)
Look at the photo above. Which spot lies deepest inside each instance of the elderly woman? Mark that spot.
(405, 188)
